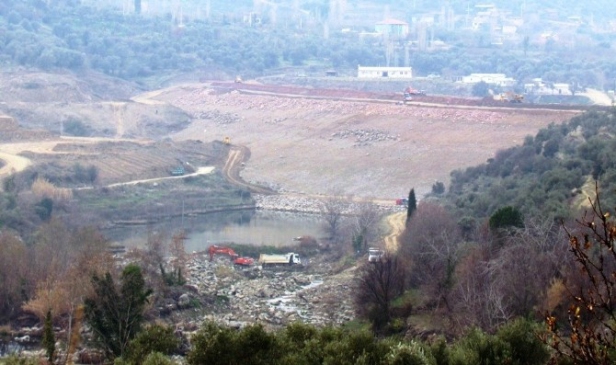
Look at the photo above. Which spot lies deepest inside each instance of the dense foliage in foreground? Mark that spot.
(299, 344)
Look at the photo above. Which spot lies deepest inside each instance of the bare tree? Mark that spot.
(332, 209)
(15, 269)
(432, 246)
(377, 285)
(366, 224)
(591, 334)
(497, 282)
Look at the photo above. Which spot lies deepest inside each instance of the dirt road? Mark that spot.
(237, 156)
(13, 164)
(200, 171)
(396, 223)
(598, 97)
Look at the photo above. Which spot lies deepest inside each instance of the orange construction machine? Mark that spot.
(244, 261)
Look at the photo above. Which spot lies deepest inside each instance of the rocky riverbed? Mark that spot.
(274, 297)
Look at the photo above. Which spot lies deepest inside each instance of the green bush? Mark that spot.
(524, 347)
(213, 345)
(515, 343)
(409, 354)
(44, 208)
(506, 217)
(76, 127)
(156, 358)
(154, 339)
(19, 360)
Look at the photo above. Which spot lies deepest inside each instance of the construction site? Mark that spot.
(284, 139)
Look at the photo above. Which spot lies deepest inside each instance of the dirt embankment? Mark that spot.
(316, 146)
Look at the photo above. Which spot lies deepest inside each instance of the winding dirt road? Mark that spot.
(13, 164)
(396, 223)
(231, 170)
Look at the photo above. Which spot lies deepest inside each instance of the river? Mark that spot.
(255, 227)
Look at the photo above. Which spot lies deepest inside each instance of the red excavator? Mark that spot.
(244, 261)
(411, 91)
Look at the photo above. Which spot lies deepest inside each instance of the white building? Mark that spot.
(384, 72)
(496, 79)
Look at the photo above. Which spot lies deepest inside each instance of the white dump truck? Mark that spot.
(280, 260)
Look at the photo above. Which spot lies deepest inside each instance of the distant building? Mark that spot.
(384, 72)
(496, 79)
(392, 27)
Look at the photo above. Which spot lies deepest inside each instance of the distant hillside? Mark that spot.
(153, 47)
(547, 175)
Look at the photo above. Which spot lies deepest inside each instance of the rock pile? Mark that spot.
(218, 117)
(205, 98)
(365, 137)
(274, 297)
(306, 204)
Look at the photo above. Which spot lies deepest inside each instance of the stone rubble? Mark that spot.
(309, 204)
(365, 137)
(205, 97)
(273, 297)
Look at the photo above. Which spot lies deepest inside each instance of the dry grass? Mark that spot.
(42, 188)
(5, 330)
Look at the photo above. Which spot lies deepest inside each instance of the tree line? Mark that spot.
(79, 37)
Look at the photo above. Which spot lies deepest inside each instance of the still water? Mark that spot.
(246, 227)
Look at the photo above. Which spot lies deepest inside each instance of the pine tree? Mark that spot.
(411, 205)
(49, 340)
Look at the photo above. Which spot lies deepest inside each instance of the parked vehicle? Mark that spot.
(287, 259)
(178, 171)
(374, 254)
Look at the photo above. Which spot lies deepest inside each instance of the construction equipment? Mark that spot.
(213, 250)
(244, 261)
(402, 201)
(178, 171)
(237, 260)
(509, 97)
(287, 259)
(411, 91)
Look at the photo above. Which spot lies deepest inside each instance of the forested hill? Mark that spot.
(546, 175)
(94, 35)
(79, 37)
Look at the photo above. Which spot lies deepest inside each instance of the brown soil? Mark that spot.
(316, 146)
(364, 145)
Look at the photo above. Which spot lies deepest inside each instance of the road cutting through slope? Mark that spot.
(13, 164)
(396, 223)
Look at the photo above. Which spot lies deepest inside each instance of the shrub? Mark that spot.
(44, 208)
(42, 188)
(411, 353)
(154, 339)
(156, 358)
(438, 188)
(506, 217)
(75, 127)
(213, 345)
(19, 360)
(523, 345)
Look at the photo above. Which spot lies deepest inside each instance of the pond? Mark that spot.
(254, 227)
